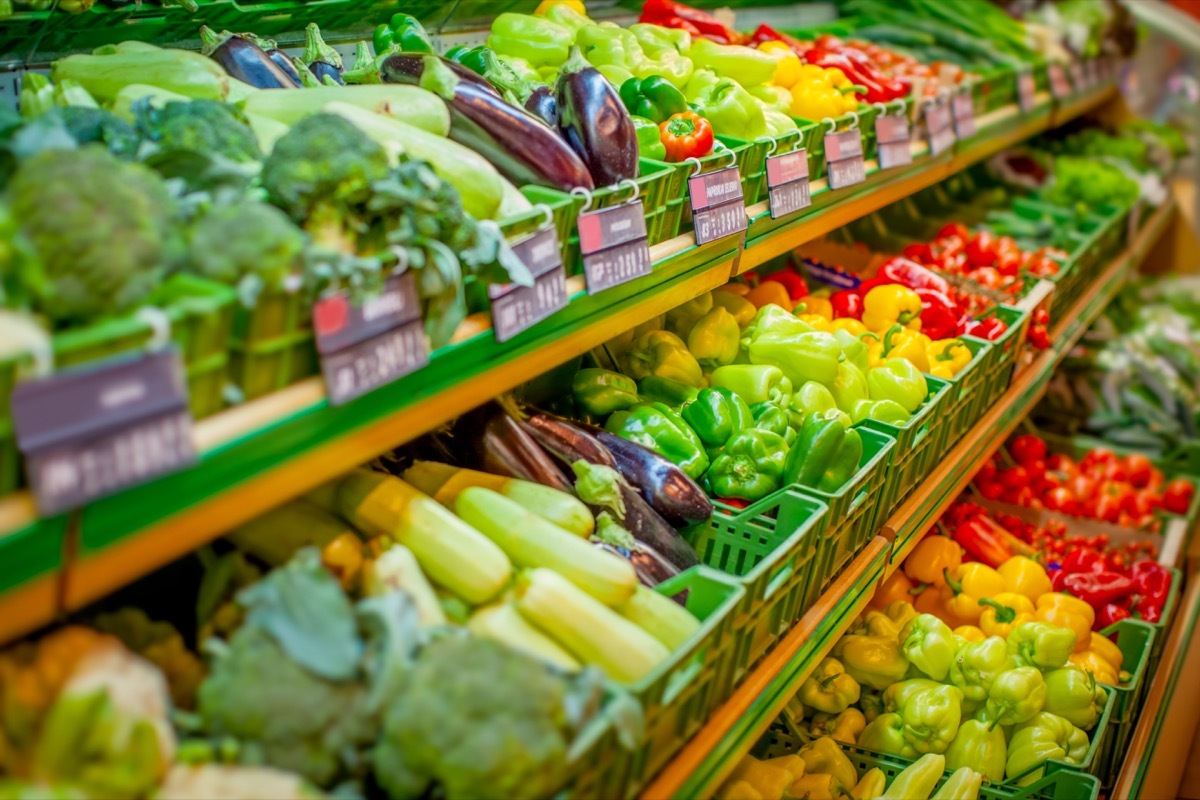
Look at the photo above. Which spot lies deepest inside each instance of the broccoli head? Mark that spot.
(479, 719)
(320, 171)
(101, 230)
(200, 126)
(245, 238)
(89, 125)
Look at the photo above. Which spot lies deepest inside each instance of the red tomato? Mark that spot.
(988, 278)
(982, 249)
(1177, 496)
(1083, 487)
(1096, 457)
(918, 252)
(953, 229)
(1015, 478)
(1063, 464)
(1041, 316)
(1025, 497)
(987, 470)
(1115, 471)
(1027, 448)
(1061, 499)
(1008, 264)
(1138, 469)
(1156, 479)
(1107, 508)
(992, 490)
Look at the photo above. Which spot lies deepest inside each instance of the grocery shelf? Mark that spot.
(258, 455)
(705, 761)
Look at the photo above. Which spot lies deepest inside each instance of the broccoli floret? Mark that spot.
(96, 125)
(320, 171)
(200, 126)
(246, 238)
(100, 228)
(479, 719)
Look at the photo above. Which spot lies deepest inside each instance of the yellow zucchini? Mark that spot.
(592, 632)
(505, 624)
(451, 553)
(531, 541)
(274, 537)
(659, 616)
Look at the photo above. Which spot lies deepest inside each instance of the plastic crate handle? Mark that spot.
(684, 675)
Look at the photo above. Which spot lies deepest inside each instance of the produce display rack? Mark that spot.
(258, 455)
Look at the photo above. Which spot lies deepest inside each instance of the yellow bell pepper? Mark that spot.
(767, 779)
(1068, 612)
(1004, 612)
(815, 99)
(848, 725)
(814, 304)
(574, 5)
(742, 309)
(874, 343)
(769, 293)
(947, 357)
(891, 304)
(818, 322)
(1107, 649)
(849, 324)
(911, 345)
(967, 585)
(929, 602)
(793, 763)
(816, 786)
(970, 633)
(739, 790)
(787, 66)
(870, 786)
(1025, 576)
(1093, 662)
(734, 287)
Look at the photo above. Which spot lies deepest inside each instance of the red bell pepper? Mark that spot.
(939, 315)
(991, 328)
(1152, 583)
(765, 33)
(1082, 560)
(796, 288)
(1110, 614)
(1056, 579)
(1098, 589)
(830, 52)
(981, 542)
(677, 15)
(847, 303)
(911, 274)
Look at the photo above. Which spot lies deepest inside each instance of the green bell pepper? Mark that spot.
(1072, 694)
(615, 75)
(609, 45)
(745, 65)
(854, 349)
(885, 733)
(975, 667)
(717, 415)
(1016, 696)
(1043, 737)
(658, 428)
(773, 317)
(568, 17)
(979, 746)
(520, 67)
(654, 98)
(667, 49)
(825, 456)
(681, 318)
(775, 97)
(656, 389)
(1040, 645)
(804, 356)
(403, 33)
(754, 383)
(649, 138)
(813, 399)
(931, 712)
(540, 41)
(928, 644)
(778, 122)
(888, 411)
(664, 354)
(702, 82)
(749, 466)
(731, 110)
(873, 661)
(849, 388)
(714, 338)
(599, 392)
(898, 379)
(770, 417)
(830, 688)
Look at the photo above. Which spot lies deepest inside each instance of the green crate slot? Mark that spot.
(771, 548)
(920, 442)
(1136, 640)
(1005, 350)
(964, 399)
(562, 211)
(754, 175)
(272, 344)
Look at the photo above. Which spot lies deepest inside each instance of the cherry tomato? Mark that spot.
(1095, 457)
(1107, 508)
(953, 229)
(1177, 496)
(992, 490)
(1061, 499)
(1137, 469)
(982, 249)
(1038, 337)
(987, 470)
(918, 252)
(988, 278)
(1027, 448)
(1015, 478)
(1063, 464)
(1008, 264)
(1041, 316)
(1083, 487)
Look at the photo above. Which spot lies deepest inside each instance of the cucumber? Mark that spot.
(410, 104)
(182, 71)
(895, 34)
(660, 616)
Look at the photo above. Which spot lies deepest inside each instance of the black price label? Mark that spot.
(964, 115)
(614, 245)
(1026, 91)
(892, 135)
(718, 205)
(517, 308)
(87, 433)
(1060, 87)
(844, 159)
(363, 347)
(788, 188)
(940, 127)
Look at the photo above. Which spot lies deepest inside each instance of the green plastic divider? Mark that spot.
(32, 552)
(920, 442)
(1136, 640)
(964, 399)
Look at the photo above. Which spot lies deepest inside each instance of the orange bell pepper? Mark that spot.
(931, 557)
(896, 587)
(1068, 612)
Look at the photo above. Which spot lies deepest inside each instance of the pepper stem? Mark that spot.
(953, 584)
(1004, 614)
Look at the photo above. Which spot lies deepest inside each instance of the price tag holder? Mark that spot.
(1026, 92)
(517, 308)
(892, 135)
(844, 158)
(788, 188)
(718, 204)
(1060, 87)
(615, 246)
(1079, 76)
(964, 114)
(363, 347)
(90, 432)
(939, 126)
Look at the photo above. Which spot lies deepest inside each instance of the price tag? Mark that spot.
(89, 432)
(964, 115)
(518, 308)
(1060, 87)
(1026, 91)
(844, 159)
(788, 188)
(614, 245)
(1079, 76)
(940, 127)
(718, 205)
(363, 347)
(892, 135)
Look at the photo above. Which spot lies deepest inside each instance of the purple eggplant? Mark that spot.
(244, 60)
(522, 147)
(323, 60)
(413, 66)
(593, 121)
(651, 568)
(667, 488)
(503, 448)
(566, 441)
(543, 104)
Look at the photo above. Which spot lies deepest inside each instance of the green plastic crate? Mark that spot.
(920, 442)
(1061, 785)
(734, 152)
(857, 509)
(1136, 640)
(965, 392)
(272, 344)
(994, 89)
(771, 548)
(1005, 350)
(678, 697)
(754, 164)
(563, 215)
